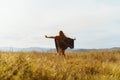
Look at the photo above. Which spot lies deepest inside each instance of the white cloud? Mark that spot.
(25, 22)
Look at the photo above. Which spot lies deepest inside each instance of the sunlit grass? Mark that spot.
(104, 65)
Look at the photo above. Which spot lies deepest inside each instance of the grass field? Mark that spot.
(104, 65)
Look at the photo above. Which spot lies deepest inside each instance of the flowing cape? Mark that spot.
(64, 44)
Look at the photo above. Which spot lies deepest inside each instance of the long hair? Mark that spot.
(61, 34)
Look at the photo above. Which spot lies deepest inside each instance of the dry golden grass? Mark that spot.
(104, 65)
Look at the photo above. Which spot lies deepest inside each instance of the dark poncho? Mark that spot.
(63, 43)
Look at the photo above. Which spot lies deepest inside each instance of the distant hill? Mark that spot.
(39, 49)
(14, 49)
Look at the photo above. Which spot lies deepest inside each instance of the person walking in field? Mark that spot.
(62, 42)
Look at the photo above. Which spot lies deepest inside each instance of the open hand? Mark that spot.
(46, 36)
(74, 39)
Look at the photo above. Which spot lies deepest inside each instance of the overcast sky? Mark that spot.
(94, 23)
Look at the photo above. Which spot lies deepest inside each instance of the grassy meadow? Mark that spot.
(104, 65)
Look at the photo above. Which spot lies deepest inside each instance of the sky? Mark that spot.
(94, 23)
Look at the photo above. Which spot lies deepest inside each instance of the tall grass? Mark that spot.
(104, 65)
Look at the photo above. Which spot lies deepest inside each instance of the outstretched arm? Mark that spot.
(72, 38)
(49, 36)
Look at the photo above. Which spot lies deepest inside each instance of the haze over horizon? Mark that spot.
(94, 23)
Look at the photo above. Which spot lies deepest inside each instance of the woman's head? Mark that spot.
(61, 34)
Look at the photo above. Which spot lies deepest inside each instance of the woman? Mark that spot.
(62, 42)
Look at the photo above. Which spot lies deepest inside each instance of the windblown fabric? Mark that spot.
(63, 43)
